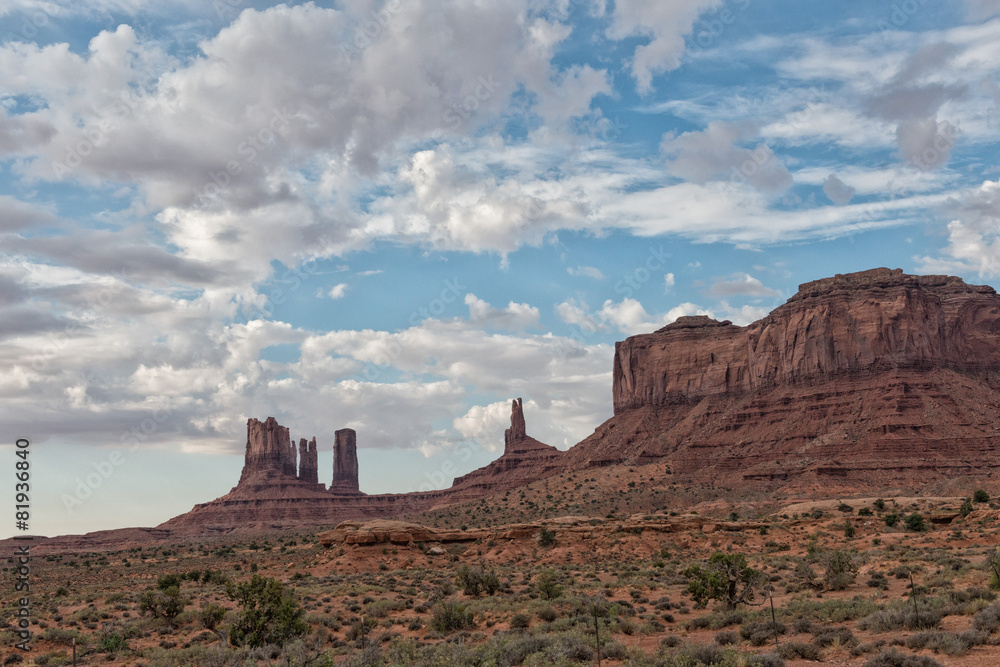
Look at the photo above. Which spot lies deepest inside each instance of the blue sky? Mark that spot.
(397, 216)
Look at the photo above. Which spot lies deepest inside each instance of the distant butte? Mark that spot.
(864, 381)
(271, 494)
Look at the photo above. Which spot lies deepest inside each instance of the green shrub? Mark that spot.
(894, 658)
(966, 508)
(840, 569)
(891, 519)
(548, 586)
(211, 614)
(449, 616)
(916, 523)
(268, 613)
(980, 496)
(726, 578)
(799, 651)
(546, 537)
(475, 581)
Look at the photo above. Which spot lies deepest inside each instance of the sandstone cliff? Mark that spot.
(853, 324)
(859, 380)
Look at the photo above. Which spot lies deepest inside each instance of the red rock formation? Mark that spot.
(870, 380)
(517, 429)
(853, 324)
(859, 380)
(345, 462)
(308, 461)
(269, 450)
(523, 461)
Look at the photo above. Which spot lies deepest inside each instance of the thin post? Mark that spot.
(74, 651)
(362, 632)
(774, 621)
(913, 595)
(597, 634)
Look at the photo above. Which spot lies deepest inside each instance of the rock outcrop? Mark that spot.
(345, 462)
(269, 450)
(857, 381)
(857, 324)
(865, 381)
(517, 430)
(308, 461)
(523, 461)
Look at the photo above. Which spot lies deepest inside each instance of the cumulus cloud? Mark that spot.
(668, 282)
(627, 316)
(740, 284)
(713, 154)
(982, 9)
(514, 316)
(665, 25)
(98, 372)
(912, 100)
(588, 271)
(486, 423)
(973, 237)
(337, 291)
(837, 191)
(221, 144)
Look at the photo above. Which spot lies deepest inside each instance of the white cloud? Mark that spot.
(515, 316)
(837, 191)
(982, 9)
(712, 154)
(588, 271)
(668, 282)
(740, 284)
(627, 316)
(337, 291)
(486, 424)
(665, 24)
(973, 238)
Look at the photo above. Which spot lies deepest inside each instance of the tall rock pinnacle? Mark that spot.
(269, 449)
(308, 462)
(345, 462)
(517, 429)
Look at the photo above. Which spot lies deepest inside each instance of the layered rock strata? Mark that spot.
(859, 380)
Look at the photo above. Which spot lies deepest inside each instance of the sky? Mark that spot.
(396, 216)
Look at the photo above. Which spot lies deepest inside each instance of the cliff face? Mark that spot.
(855, 324)
(858, 381)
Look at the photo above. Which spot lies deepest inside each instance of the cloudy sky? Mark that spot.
(397, 216)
